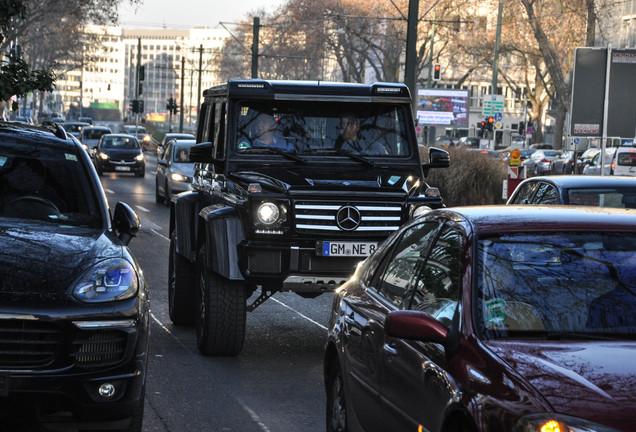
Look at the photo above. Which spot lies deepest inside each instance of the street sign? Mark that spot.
(498, 116)
(493, 104)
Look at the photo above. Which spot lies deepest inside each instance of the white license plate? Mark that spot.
(347, 248)
(122, 168)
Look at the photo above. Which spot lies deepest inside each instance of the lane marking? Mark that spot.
(298, 313)
(247, 409)
(143, 209)
(159, 234)
(110, 191)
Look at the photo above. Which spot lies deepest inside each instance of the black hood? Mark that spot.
(40, 262)
(303, 177)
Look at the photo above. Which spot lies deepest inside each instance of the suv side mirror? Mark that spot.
(437, 158)
(125, 222)
(202, 153)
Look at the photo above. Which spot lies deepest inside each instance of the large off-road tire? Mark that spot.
(336, 407)
(221, 312)
(182, 283)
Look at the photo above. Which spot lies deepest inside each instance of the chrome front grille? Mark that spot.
(329, 218)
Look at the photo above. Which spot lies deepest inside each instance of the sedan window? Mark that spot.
(437, 286)
(547, 194)
(396, 281)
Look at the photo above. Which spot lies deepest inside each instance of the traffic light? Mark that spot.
(141, 89)
(135, 106)
(522, 128)
(482, 129)
(141, 106)
(142, 72)
(437, 72)
(491, 123)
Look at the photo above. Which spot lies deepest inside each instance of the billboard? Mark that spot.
(588, 92)
(442, 107)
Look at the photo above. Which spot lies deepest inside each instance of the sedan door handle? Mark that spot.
(390, 350)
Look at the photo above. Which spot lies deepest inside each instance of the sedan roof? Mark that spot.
(587, 181)
(521, 218)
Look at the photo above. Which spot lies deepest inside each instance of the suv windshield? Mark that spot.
(47, 185)
(323, 128)
(557, 284)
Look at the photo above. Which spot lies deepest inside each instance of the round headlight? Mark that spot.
(268, 213)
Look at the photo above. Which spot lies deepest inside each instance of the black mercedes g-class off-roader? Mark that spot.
(297, 214)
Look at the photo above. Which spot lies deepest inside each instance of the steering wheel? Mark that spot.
(30, 205)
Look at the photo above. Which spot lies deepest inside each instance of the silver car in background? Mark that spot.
(540, 162)
(174, 170)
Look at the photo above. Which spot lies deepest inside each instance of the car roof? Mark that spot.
(46, 133)
(523, 218)
(97, 127)
(585, 181)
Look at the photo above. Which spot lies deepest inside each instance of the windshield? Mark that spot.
(95, 133)
(120, 142)
(181, 153)
(322, 128)
(47, 185)
(556, 284)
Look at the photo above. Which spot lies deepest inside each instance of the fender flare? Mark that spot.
(184, 222)
(223, 231)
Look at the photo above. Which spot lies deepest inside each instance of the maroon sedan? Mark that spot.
(494, 318)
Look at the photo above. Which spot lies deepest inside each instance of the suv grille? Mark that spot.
(333, 218)
(27, 344)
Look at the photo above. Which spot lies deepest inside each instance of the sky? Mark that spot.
(183, 14)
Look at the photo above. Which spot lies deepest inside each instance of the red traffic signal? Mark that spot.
(437, 72)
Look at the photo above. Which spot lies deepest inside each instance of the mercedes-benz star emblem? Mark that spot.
(348, 218)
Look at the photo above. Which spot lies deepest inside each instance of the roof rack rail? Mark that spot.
(57, 129)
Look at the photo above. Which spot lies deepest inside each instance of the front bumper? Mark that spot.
(295, 267)
(67, 383)
(121, 166)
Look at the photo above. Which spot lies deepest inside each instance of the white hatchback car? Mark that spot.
(624, 162)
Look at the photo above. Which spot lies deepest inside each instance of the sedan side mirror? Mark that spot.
(125, 222)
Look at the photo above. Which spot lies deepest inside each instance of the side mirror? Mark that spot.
(125, 222)
(437, 158)
(202, 153)
(162, 162)
(415, 325)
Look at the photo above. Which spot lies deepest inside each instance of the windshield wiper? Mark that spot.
(356, 157)
(283, 153)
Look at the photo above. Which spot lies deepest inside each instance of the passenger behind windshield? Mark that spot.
(324, 128)
(264, 134)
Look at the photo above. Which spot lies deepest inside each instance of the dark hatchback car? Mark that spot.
(74, 308)
(494, 318)
(597, 191)
(120, 153)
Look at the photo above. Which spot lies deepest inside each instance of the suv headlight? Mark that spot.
(550, 422)
(110, 280)
(268, 213)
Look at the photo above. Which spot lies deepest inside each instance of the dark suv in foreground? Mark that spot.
(74, 305)
(285, 200)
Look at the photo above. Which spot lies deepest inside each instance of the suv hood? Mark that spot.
(592, 380)
(39, 262)
(301, 178)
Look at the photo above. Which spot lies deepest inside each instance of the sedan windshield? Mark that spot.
(557, 285)
(323, 128)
